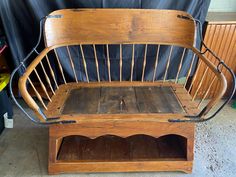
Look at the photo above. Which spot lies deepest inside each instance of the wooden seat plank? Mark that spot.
(117, 100)
(82, 99)
(120, 100)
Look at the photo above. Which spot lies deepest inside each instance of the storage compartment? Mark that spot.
(115, 148)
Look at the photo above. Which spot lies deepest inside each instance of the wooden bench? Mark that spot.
(119, 122)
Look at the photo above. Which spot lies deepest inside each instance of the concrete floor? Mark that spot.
(24, 150)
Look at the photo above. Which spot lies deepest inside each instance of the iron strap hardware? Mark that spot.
(54, 16)
(185, 17)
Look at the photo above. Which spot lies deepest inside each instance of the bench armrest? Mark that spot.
(203, 115)
(42, 119)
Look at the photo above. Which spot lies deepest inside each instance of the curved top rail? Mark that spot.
(115, 26)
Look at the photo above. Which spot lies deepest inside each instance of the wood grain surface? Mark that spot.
(110, 100)
(116, 26)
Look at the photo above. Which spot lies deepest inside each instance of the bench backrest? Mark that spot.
(119, 26)
(74, 37)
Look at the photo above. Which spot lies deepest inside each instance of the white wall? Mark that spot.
(222, 6)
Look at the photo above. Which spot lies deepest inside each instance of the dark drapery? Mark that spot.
(20, 20)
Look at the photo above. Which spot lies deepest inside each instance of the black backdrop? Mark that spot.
(20, 20)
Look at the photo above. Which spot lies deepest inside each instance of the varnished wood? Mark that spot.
(132, 63)
(136, 147)
(37, 94)
(96, 61)
(108, 63)
(72, 63)
(138, 157)
(42, 85)
(168, 63)
(47, 78)
(96, 129)
(60, 67)
(189, 70)
(54, 107)
(132, 111)
(84, 63)
(207, 91)
(194, 79)
(121, 62)
(156, 63)
(180, 65)
(114, 100)
(220, 77)
(146, 25)
(134, 166)
(144, 62)
(200, 83)
(51, 71)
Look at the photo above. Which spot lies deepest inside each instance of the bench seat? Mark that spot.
(121, 100)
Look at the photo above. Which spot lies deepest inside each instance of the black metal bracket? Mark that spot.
(54, 16)
(185, 17)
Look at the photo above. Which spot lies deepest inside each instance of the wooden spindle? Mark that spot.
(206, 93)
(132, 64)
(120, 62)
(168, 63)
(42, 85)
(84, 62)
(96, 62)
(60, 67)
(47, 78)
(72, 63)
(108, 63)
(180, 65)
(51, 71)
(156, 63)
(190, 70)
(200, 84)
(144, 62)
(37, 94)
(195, 75)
